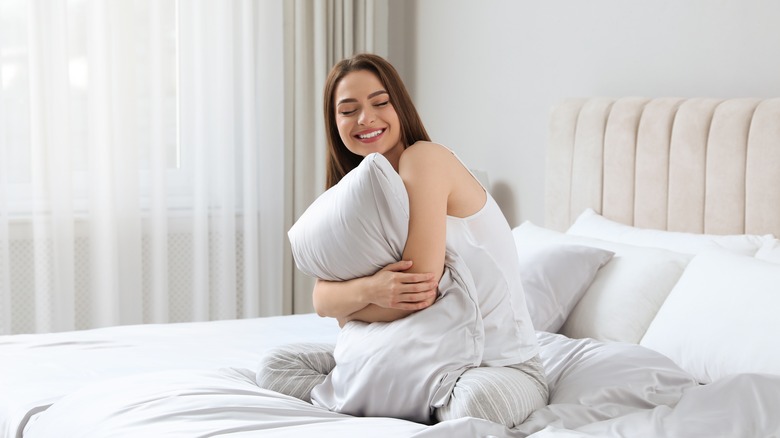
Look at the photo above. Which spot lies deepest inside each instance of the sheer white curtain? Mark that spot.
(142, 162)
(319, 34)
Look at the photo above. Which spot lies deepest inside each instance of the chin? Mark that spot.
(364, 151)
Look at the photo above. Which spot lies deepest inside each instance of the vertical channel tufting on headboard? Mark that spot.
(688, 176)
(724, 203)
(651, 178)
(620, 142)
(762, 185)
(560, 146)
(693, 165)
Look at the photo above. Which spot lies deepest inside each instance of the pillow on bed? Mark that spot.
(554, 279)
(721, 317)
(770, 251)
(592, 224)
(626, 292)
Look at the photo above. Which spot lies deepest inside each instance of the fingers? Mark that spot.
(419, 305)
(415, 301)
(394, 288)
(415, 278)
(418, 297)
(416, 288)
(398, 266)
(403, 265)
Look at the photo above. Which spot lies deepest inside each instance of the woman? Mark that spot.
(367, 110)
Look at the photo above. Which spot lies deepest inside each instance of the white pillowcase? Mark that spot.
(554, 279)
(356, 227)
(721, 318)
(770, 251)
(592, 224)
(626, 293)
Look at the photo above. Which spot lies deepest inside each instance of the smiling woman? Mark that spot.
(365, 117)
(373, 91)
(452, 230)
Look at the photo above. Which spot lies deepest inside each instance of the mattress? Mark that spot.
(197, 379)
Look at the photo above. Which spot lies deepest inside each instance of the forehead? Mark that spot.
(358, 84)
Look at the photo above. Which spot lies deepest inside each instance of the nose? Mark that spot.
(367, 115)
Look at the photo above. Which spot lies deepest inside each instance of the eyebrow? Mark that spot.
(374, 94)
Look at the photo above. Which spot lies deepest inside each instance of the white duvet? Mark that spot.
(129, 381)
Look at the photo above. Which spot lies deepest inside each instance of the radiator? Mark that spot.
(21, 278)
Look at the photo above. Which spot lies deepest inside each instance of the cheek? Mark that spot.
(391, 117)
(393, 120)
(344, 127)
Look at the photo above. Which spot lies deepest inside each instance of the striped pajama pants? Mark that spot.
(505, 395)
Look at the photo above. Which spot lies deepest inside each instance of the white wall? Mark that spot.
(485, 74)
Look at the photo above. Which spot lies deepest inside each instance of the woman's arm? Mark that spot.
(426, 170)
(397, 290)
(388, 295)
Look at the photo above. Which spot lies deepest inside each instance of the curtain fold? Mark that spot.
(274, 165)
(156, 291)
(49, 124)
(5, 284)
(147, 148)
(321, 33)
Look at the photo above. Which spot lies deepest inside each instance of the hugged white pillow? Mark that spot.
(626, 292)
(721, 317)
(356, 227)
(592, 224)
(554, 279)
(352, 230)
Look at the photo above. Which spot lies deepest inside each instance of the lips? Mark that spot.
(370, 135)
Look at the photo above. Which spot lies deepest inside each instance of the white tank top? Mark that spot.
(484, 241)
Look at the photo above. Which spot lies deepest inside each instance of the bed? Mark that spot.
(653, 286)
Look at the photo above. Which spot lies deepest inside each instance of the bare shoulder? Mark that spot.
(426, 149)
(426, 155)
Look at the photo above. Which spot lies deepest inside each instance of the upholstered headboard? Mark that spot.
(692, 165)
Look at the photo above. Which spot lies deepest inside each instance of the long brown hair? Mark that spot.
(340, 160)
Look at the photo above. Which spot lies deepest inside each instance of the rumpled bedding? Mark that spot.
(596, 389)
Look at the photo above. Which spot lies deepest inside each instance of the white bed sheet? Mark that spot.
(36, 370)
(197, 379)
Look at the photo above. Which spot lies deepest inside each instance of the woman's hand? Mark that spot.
(393, 288)
(385, 296)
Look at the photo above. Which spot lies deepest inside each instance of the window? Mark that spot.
(125, 57)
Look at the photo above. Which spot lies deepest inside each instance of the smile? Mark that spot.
(370, 134)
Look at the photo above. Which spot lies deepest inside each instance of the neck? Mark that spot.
(394, 155)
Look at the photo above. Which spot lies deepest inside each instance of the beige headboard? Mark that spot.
(693, 165)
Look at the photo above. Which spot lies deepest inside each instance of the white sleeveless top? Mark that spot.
(484, 241)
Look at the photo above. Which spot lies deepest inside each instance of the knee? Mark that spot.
(274, 362)
(301, 358)
(278, 356)
(501, 395)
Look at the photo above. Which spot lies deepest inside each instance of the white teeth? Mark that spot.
(370, 134)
